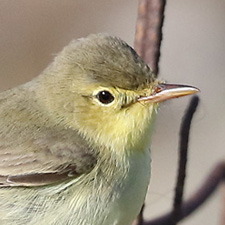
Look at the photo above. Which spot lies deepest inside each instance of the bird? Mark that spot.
(75, 140)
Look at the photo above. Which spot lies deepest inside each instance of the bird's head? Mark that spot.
(100, 87)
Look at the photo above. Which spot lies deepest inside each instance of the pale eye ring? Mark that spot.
(105, 97)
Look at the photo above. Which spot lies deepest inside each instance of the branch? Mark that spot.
(208, 187)
(183, 150)
(149, 31)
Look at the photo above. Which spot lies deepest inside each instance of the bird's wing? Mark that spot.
(48, 158)
(34, 151)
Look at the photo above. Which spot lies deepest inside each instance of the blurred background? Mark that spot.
(192, 52)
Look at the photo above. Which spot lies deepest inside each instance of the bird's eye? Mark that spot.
(105, 97)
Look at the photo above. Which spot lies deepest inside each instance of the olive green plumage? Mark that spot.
(74, 142)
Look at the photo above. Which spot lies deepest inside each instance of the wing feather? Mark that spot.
(34, 150)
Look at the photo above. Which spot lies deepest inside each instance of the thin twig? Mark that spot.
(183, 150)
(208, 187)
(149, 31)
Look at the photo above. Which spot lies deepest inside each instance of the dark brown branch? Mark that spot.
(183, 150)
(149, 31)
(208, 187)
(205, 191)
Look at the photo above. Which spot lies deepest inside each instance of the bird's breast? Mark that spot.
(116, 193)
(130, 191)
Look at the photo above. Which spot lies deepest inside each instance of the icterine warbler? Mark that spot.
(74, 142)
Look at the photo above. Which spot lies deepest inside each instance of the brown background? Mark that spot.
(193, 52)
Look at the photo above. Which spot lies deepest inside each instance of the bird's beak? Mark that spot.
(164, 92)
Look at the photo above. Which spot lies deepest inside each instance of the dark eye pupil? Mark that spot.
(105, 97)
